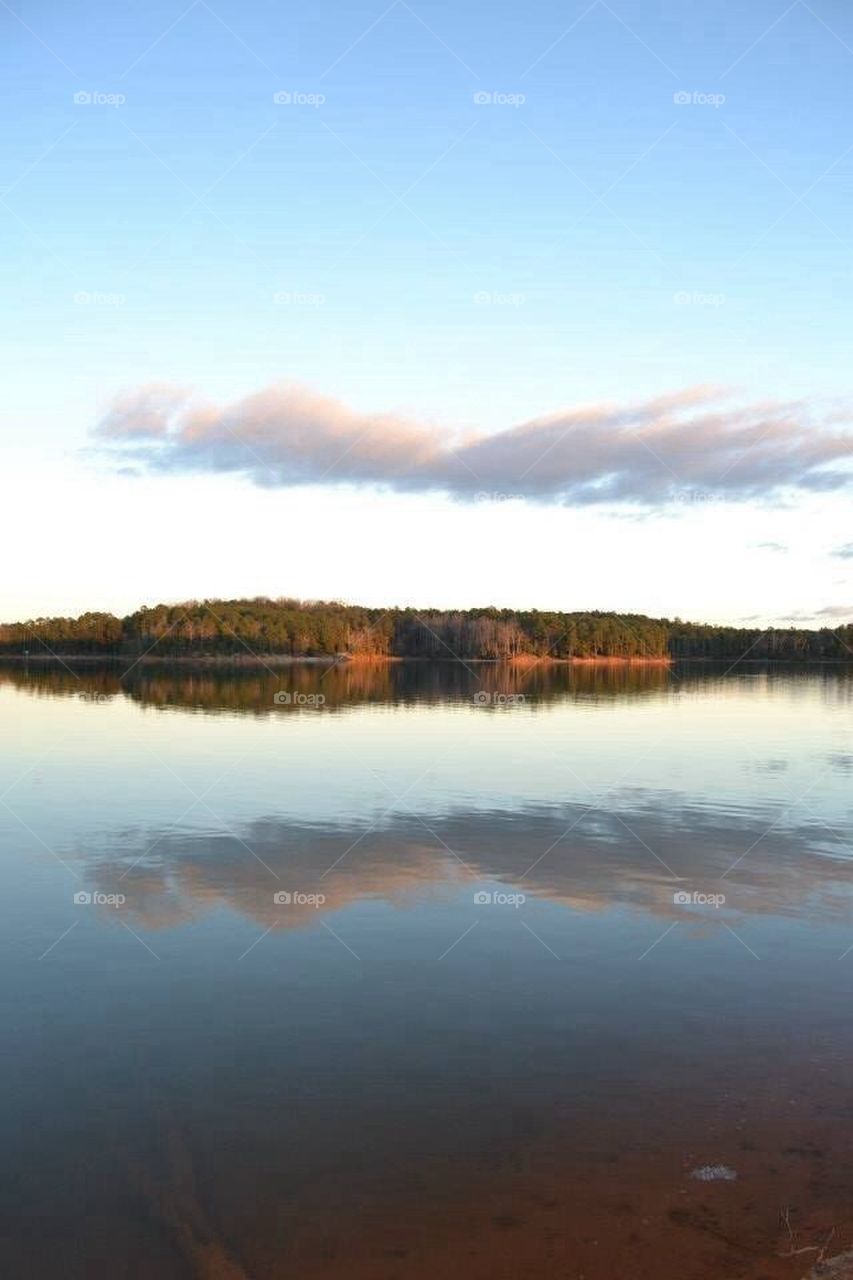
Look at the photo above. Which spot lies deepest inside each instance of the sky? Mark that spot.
(426, 303)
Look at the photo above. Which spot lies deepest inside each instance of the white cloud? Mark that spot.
(684, 447)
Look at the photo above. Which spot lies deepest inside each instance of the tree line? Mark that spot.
(295, 628)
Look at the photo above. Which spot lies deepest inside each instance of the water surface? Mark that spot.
(418, 969)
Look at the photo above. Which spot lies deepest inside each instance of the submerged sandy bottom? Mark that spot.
(605, 1199)
(630, 1214)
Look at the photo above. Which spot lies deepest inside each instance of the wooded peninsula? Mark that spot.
(287, 628)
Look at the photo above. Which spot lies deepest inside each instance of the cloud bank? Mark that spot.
(685, 447)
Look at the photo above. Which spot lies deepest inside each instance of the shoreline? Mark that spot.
(328, 660)
(252, 661)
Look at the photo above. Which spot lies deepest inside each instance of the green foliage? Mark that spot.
(90, 633)
(316, 628)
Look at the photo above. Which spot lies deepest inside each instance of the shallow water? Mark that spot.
(425, 969)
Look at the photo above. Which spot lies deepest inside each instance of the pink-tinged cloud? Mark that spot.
(681, 446)
(147, 412)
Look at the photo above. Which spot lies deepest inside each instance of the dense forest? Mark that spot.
(297, 628)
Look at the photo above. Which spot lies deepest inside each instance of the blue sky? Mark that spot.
(386, 239)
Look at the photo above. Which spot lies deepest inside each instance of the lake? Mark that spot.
(418, 970)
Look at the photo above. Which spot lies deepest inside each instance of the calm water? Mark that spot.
(387, 975)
